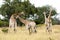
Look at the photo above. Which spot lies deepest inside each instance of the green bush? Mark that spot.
(5, 30)
(54, 22)
(3, 23)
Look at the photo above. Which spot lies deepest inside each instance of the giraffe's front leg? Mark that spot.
(50, 28)
(15, 27)
(28, 28)
(34, 29)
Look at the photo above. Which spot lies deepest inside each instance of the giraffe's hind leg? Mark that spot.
(35, 30)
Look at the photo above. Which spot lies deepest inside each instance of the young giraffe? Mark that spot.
(12, 23)
(48, 21)
(30, 25)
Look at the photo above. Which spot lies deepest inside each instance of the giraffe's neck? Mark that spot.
(49, 17)
(50, 13)
(12, 18)
(45, 17)
(22, 20)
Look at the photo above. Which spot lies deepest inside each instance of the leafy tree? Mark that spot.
(40, 11)
(15, 6)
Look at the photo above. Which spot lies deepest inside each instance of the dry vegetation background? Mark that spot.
(22, 34)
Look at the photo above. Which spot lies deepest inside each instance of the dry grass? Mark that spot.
(22, 34)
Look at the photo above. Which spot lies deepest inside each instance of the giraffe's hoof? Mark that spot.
(29, 33)
(35, 31)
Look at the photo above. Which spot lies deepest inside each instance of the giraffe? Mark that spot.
(48, 21)
(12, 23)
(30, 25)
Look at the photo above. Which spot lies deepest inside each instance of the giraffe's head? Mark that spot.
(44, 13)
(19, 14)
(22, 13)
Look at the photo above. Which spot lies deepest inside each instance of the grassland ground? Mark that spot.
(22, 34)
